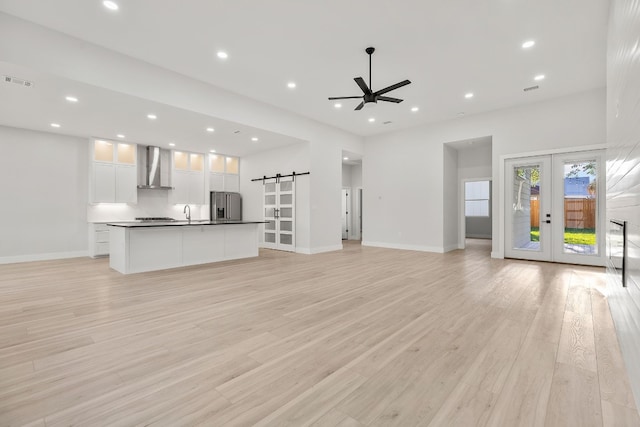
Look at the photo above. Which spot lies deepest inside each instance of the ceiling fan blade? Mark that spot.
(345, 97)
(363, 85)
(359, 107)
(389, 99)
(392, 87)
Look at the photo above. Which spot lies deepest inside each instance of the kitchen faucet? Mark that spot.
(187, 211)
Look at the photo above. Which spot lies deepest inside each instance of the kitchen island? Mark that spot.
(136, 247)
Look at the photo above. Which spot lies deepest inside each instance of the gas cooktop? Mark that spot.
(154, 218)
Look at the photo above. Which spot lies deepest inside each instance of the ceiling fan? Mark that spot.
(371, 98)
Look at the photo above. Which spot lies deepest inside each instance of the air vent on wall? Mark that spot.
(527, 89)
(21, 82)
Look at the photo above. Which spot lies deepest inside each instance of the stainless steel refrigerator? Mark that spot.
(225, 206)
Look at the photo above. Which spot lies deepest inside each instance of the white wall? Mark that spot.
(623, 173)
(346, 175)
(474, 162)
(284, 160)
(406, 167)
(356, 176)
(451, 214)
(44, 191)
(53, 52)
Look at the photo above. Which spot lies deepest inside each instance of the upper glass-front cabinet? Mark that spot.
(219, 163)
(188, 161)
(114, 152)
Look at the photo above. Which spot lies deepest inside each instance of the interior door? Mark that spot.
(555, 209)
(279, 211)
(270, 206)
(345, 213)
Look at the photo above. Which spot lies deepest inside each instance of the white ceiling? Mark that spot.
(446, 48)
(105, 114)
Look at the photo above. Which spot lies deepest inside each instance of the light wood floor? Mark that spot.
(365, 336)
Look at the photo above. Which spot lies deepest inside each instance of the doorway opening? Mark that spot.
(351, 196)
(477, 209)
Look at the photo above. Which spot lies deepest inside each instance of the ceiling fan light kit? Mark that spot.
(371, 98)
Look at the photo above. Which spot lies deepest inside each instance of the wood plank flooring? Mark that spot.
(359, 337)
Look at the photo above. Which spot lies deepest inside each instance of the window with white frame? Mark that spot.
(476, 198)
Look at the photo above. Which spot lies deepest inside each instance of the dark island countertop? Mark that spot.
(195, 222)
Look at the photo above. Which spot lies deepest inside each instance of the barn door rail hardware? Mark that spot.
(279, 176)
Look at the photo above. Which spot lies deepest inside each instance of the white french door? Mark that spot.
(279, 212)
(555, 208)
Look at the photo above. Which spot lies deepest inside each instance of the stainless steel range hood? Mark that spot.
(152, 164)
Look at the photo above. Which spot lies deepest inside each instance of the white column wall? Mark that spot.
(44, 189)
(451, 196)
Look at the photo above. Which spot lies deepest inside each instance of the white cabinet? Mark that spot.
(98, 240)
(113, 172)
(224, 173)
(188, 178)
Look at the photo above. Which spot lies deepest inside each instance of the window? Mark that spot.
(476, 198)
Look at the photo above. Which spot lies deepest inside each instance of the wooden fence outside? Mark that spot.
(578, 213)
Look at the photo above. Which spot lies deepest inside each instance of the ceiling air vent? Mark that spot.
(388, 122)
(21, 82)
(527, 89)
(237, 131)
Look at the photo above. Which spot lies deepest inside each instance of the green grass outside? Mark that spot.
(572, 236)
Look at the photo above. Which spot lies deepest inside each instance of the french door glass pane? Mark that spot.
(286, 212)
(270, 237)
(286, 239)
(580, 202)
(270, 199)
(286, 185)
(526, 208)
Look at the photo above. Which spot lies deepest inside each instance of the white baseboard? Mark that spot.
(479, 236)
(326, 249)
(420, 248)
(453, 247)
(497, 255)
(42, 257)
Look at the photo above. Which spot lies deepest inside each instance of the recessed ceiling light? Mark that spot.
(254, 139)
(291, 85)
(345, 158)
(110, 5)
(222, 54)
(528, 44)
(468, 95)
(372, 119)
(539, 77)
(71, 99)
(414, 109)
(171, 144)
(120, 135)
(210, 129)
(337, 105)
(212, 151)
(152, 116)
(55, 125)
